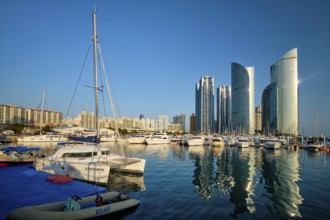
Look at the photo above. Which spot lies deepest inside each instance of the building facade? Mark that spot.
(192, 123)
(163, 123)
(242, 82)
(258, 120)
(11, 114)
(204, 105)
(181, 119)
(282, 100)
(223, 109)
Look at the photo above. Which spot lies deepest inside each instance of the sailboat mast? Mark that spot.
(96, 77)
(42, 112)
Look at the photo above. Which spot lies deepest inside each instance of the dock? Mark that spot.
(22, 186)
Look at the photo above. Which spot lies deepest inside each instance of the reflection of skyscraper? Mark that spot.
(242, 82)
(202, 178)
(204, 105)
(283, 100)
(223, 109)
(287, 194)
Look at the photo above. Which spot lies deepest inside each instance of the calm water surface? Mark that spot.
(224, 183)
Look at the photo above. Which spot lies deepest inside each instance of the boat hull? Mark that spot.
(42, 138)
(11, 162)
(272, 145)
(93, 172)
(55, 210)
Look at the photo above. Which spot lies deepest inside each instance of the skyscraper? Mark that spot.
(223, 109)
(204, 105)
(283, 101)
(181, 119)
(163, 123)
(242, 82)
(258, 119)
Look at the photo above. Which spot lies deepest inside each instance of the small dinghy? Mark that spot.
(77, 208)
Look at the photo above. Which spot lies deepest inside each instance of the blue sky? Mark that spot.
(156, 51)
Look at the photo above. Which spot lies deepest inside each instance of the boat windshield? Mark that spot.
(80, 154)
(105, 152)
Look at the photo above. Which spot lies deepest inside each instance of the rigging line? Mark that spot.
(101, 89)
(75, 90)
(110, 97)
(113, 91)
(107, 84)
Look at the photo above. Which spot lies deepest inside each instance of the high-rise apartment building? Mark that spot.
(280, 97)
(258, 119)
(242, 82)
(192, 122)
(181, 119)
(163, 123)
(204, 105)
(223, 109)
(11, 114)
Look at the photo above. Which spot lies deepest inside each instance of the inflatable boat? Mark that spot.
(77, 208)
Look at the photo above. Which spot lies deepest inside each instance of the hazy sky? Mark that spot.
(157, 50)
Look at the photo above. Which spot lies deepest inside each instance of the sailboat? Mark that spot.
(42, 137)
(316, 145)
(89, 161)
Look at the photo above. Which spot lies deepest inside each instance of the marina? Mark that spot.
(199, 182)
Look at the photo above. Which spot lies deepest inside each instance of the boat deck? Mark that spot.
(22, 186)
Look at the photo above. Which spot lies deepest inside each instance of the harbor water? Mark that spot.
(202, 182)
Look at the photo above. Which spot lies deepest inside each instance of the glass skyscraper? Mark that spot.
(283, 99)
(204, 105)
(223, 109)
(242, 82)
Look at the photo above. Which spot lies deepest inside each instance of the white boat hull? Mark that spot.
(243, 144)
(42, 138)
(272, 145)
(136, 140)
(94, 172)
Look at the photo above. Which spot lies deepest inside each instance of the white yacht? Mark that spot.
(88, 162)
(159, 138)
(243, 142)
(314, 146)
(272, 144)
(198, 140)
(137, 139)
(218, 141)
(43, 138)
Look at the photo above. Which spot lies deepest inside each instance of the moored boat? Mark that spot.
(242, 142)
(88, 162)
(137, 139)
(218, 141)
(16, 155)
(43, 138)
(77, 208)
(272, 144)
(199, 140)
(159, 138)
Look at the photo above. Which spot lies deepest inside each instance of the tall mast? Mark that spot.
(42, 111)
(95, 77)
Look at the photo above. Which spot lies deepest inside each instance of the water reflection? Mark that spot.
(202, 177)
(243, 175)
(126, 182)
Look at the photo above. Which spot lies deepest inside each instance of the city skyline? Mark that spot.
(156, 51)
